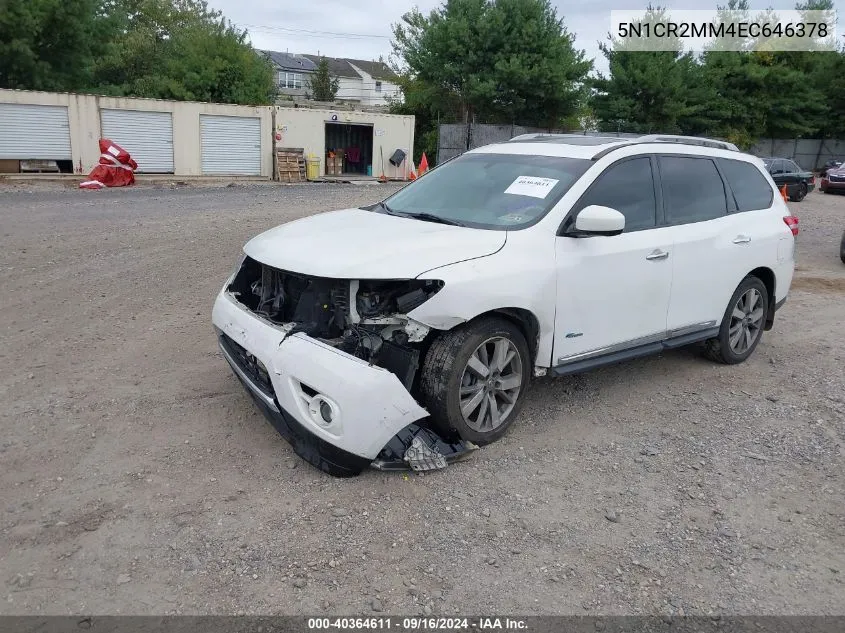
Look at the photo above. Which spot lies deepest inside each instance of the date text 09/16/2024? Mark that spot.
(416, 624)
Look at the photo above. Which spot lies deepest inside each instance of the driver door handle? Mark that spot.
(657, 254)
(742, 239)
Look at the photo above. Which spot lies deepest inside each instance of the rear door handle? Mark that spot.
(657, 254)
(742, 239)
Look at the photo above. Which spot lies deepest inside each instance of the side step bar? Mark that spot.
(579, 366)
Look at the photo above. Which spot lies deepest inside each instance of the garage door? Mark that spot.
(36, 132)
(147, 136)
(231, 145)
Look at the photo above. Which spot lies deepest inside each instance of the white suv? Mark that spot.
(406, 333)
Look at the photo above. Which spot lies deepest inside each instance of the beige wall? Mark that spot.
(298, 127)
(306, 128)
(84, 118)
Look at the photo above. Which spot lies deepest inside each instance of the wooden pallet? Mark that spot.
(291, 164)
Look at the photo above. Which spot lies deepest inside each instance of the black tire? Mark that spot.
(842, 249)
(719, 349)
(444, 369)
(800, 194)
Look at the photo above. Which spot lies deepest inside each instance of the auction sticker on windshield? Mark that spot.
(532, 186)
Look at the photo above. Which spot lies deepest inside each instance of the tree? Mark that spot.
(180, 49)
(646, 91)
(758, 92)
(501, 60)
(429, 105)
(322, 85)
(47, 44)
(168, 49)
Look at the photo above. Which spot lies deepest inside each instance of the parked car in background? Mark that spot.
(831, 164)
(834, 180)
(787, 172)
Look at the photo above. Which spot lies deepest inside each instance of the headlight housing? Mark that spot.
(235, 270)
(376, 298)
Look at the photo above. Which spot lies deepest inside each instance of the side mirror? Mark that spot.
(597, 220)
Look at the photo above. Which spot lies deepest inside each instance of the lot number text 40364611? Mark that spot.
(416, 624)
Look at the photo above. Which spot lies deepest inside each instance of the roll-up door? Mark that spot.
(231, 145)
(36, 132)
(147, 136)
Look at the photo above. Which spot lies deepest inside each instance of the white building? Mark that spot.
(368, 83)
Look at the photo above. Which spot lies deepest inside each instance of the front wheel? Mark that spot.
(474, 377)
(742, 324)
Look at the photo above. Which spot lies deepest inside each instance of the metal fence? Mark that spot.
(809, 153)
(456, 138)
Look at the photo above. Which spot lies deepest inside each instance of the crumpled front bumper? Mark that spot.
(370, 404)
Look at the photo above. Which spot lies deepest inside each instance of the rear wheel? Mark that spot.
(800, 192)
(842, 249)
(473, 379)
(742, 325)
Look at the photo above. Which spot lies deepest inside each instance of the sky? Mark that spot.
(360, 29)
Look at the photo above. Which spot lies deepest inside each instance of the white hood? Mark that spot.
(358, 244)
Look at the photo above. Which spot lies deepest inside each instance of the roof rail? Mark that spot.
(669, 138)
(687, 140)
(540, 135)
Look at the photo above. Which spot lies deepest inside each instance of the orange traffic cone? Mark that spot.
(423, 165)
(784, 193)
(412, 175)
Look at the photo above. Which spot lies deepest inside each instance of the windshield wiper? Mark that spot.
(426, 217)
(430, 217)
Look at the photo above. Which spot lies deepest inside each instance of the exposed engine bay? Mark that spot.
(365, 318)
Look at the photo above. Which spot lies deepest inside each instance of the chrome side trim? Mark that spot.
(689, 329)
(248, 381)
(610, 349)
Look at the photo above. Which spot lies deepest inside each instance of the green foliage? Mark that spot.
(647, 90)
(168, 49)
(322, 85)
(735, 90)
(499, 60)
(47, 44)
(429, 105)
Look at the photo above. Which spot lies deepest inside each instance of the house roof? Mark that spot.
(337, 67)
(343, 67)
(288, 61)
(379, 70)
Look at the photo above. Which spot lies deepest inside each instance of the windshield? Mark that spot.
(493, 191)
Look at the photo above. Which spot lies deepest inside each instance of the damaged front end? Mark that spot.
(366, 319)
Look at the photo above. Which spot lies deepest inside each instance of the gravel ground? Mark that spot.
(138, 477)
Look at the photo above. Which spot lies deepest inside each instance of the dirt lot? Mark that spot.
(138, 477)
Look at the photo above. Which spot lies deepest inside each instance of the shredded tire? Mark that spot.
(443, 368)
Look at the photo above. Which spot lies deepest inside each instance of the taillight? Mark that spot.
(812, 180)
(792, 223)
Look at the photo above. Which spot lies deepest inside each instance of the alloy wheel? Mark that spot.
(490, 384)
(746, 321)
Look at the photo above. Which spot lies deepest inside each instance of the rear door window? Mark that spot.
(750, 189)
(693, 190)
